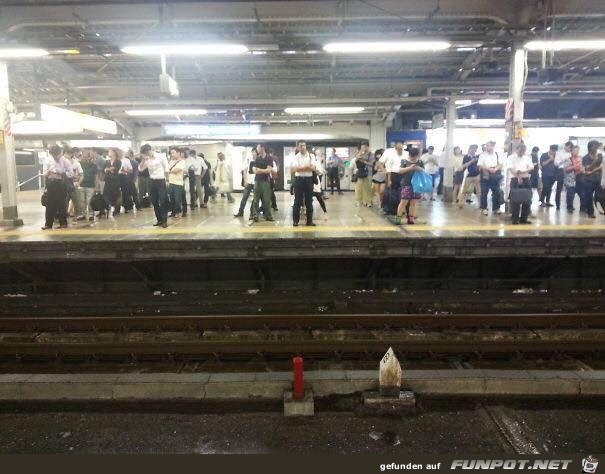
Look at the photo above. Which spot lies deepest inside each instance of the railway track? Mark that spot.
(316, 336)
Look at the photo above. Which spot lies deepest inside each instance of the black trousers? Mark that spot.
(273, 197)
(207, 191)
(245, 195)
(159, 198)
(559, 176)
(56, 205)
(548, 182)
(126, 188)
(520, 210)
(333, 179)
(303, 192)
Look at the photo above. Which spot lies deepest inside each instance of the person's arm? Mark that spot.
(407, 169)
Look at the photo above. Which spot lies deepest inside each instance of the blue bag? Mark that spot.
(422, 182)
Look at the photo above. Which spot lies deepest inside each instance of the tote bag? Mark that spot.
(422, 182)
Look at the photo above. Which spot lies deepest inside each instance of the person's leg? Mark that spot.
(591, 187)
(436, 183)
(134, 193)
(456, 192)
(62, 203)
(184, 200)
(51, 204)
(547, 189)
(192, 192)
(484, 189)
(197, 184)
(154, 196)
(163, 201)
(559, 188)
(412, 211)
(570, 193)
(245, 195)
(308, 197)
(298, 199)
(358, 192)
(266, 192)
(494, 186)
(368, 191)
(403, 203)
(525, 210)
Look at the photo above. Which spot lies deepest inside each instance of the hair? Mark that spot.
(117, 152)
(262, 145)
(593, 145)
(145, 149)
(201, 155)
(535, 149)
(398, 141)
(568, 144)
(300, 141)
(457, 148)
(88, 156)
(414, 152)
(67, 151)
(364, 142)
(553, 147)
(55, 151)
(475, 146)
(379, 152)
(431, 148)
(192, 152)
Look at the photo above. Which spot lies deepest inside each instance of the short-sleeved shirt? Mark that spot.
(550, 168)
(89, 173)
(472, 169)
(302, 161)
(392, 160)
(174, 177)
(261, 164)
(406, 178)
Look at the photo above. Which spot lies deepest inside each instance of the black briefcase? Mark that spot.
(520, 195)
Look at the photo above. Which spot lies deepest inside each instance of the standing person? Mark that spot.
(407, 169)
(197, 167)
(379, 177)
(126, 175)
(184, 152)
(58, 171)
(74, 196)
(143, 183)
(206, 181)
(591, 175)
(431, 166)
(472, 182)
(247, 183)
(157, 165)
(456, 163)
(442, 160)
(317, 188)
(490, 166)
(520, 167)
(303, 168)
(88, 182)
(560, 158)
(111, 191)
(364, 162)
(223, 177)
(571, 167)
(391, 159)
(273, 179)
(334, 165)
(535, 174)
(176, 169)
(261, 168)
(547, 165)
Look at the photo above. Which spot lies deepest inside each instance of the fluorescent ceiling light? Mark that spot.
(559, 45)
(57, 115)
(210, 130)
(323, 110)
(492, 101)
(166, 112)
(480, 122)
(187, 49)
(17, 53)
(386, 46)
(39, 127)
(464, 102)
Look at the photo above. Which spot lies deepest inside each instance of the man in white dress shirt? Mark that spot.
(520, 167)
(157, 165)
(391, 159)
(560, 158)
(490, 165)
(303, 168)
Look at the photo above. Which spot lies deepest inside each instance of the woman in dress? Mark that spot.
(112, 192)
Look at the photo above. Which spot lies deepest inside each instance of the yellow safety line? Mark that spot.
(508, 227)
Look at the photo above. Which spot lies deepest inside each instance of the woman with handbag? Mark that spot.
(58, 172)
(112, 191)
(363, 186)
(521, 167)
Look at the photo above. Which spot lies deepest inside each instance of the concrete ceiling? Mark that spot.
(291, 68)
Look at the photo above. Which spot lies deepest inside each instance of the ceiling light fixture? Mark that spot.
(560, 45)
(186, 49)
(165, 112)
(323, 110)
(386, 46)
(493, 101)
(20, 53)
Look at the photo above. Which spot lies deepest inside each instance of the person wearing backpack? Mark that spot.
(490, 166)
(363, 187)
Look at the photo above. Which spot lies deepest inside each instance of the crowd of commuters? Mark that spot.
(93, 183)
(90, 183)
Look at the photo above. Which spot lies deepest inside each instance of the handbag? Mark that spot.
(422, 182)
(44, 198)
(520, 195)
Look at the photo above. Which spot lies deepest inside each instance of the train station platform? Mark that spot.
(442, 230)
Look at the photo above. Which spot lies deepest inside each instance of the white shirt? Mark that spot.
(392, 160)
(196, 164)
(431, 163)
(157, 166)
(248, 178)
(126, 165)
(320, 171)
(300, 161)
(176, 170)
(561, 157)
(442, 160)
(76, 167)
(489, 160)
(522, 164)
(456, 162)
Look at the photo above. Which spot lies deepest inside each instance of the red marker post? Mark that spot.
(298, 384)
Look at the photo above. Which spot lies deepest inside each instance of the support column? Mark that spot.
(8, 168)
(448, 172)
(378, 135)
(515, 105)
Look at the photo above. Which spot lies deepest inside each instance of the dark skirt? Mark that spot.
(111, 191)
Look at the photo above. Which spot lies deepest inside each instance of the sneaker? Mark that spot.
(549, 205)
(164, 225)
(157, 224)
(498, 212)
(484, 212)
(525, 222)
(311, 224)
(270, 219)
(238, 215)
(295, 224)
(46, 228)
